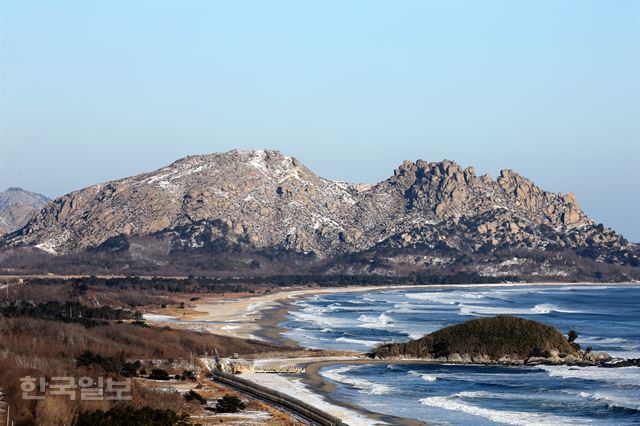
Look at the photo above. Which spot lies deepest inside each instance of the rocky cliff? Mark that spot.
(427, 214)
(17, 206)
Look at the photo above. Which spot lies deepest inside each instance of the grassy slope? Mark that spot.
(45, 348)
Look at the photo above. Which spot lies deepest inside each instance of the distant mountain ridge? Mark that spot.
(427, 216)
(16, 207)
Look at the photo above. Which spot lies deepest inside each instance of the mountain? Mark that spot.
(261, 207)
(17, 206)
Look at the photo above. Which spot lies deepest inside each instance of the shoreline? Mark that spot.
(259, 316)
(255, 317)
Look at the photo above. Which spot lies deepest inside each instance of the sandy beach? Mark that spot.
(242, 317)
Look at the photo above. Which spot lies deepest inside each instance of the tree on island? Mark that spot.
(572, 335)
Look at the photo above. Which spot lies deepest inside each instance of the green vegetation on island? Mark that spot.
(503, 339)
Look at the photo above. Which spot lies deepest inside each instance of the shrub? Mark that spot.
(68, 312)
(229, 404)
(195, 396)
(121, 416)
(159, 374)
(108, 364)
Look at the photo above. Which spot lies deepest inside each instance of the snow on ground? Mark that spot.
(288, 362)
(294, 387)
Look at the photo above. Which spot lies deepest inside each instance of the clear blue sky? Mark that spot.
(92, 91)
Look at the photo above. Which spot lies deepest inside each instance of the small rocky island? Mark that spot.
(503, 340)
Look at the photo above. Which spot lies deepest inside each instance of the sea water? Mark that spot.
(607, 318)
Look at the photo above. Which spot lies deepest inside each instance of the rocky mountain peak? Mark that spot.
(448, 191)
(265, 200)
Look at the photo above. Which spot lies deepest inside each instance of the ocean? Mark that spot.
(607, 318)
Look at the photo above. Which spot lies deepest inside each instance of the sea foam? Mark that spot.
(454, 403)
(629, 376)
(364, 386)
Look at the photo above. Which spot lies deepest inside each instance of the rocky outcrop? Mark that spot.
(264, 200)
(17, 206)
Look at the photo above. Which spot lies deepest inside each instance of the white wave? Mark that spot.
(615, 346)
(478, 394)
(364, 386)
(597, 340)
(326, 330)
(415, 336)
(544, 308)
(619, 376)
(508, 417)
(367, 343)
(633, 354)
(613, 400)
(319, 309)
(319, 319)
(301, 335)
(352, 309)
(448, 298)
(382, 321)
(425, 377)
(413, 308)
(582, 287)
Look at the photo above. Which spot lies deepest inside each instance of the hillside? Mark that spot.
(484, 338)
(260, 212)
(17, 206)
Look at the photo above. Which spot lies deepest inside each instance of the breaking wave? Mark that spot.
(425, 377)
(382, 321)
(543, 308)
(450, 298)
(622, 376)
(454, 403)
(613, 401)
(364, 386)
(367, 343)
